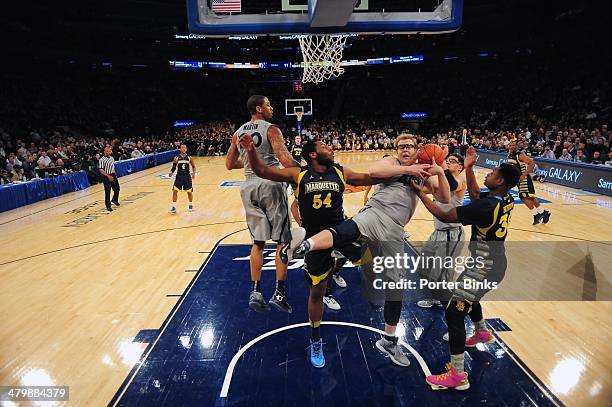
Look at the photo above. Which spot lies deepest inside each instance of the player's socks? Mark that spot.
(540, 210)
(457, 362)
(256, 286)
(391, 338)
(481, 325)
(315, 330)
(280, 286)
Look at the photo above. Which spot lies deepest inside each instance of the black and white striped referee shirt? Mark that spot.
(107, 164)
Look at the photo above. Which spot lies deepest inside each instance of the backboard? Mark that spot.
(223, 18)
(294, 105)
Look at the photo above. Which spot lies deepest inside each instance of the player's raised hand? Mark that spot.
(418, 170)
(470, 157)
(246, 141)
(435, 169)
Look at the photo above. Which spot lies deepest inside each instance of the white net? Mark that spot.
(322, 56)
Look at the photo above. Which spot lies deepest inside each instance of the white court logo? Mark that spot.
(269, 264)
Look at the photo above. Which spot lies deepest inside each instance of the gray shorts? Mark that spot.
(385, 238)
(266, 209)
(442, 244)
(375, 225)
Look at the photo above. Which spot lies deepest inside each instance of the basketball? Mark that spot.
(429, 152)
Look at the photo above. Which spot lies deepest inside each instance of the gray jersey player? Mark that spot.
(265, 202)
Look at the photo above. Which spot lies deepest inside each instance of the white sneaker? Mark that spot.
(339, 281)
(172, 210)
(331, 303)
(428, 303)
(393, 351)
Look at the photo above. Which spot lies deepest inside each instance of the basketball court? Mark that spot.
(140, 307)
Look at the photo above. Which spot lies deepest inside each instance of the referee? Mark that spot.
(107, 169)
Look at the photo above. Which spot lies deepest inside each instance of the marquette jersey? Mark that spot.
(514, 160)
(489, 216)
(259, 131)
(183, 178)
(525, 187)
(320, 198)
(182, 169)
(296, 152)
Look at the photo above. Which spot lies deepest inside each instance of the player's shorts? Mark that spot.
(318, 264)
(266, 209)
(384, 238)
(526, 188)
(442, 244)
(183, 183)
(375, 225)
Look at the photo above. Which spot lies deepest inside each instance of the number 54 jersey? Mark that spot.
(320, 198)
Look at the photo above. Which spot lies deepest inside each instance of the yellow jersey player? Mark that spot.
(489, 214)
(183, 179)
(526, 189)
(319, 188)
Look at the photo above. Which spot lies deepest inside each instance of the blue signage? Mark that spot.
(414, 115)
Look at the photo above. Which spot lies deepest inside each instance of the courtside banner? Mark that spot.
(593, 178)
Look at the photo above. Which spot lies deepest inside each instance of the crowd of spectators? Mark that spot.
(554, 105)
(59, 152)
(51, 153)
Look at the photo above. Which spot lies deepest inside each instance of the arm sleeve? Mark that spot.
(452, 182)
(174, 166)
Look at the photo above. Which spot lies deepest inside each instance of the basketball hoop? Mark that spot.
(322, 56)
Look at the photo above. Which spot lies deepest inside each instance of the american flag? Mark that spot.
(226, 6)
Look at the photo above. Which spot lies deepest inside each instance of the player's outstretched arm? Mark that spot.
(262, 170)
(435, 210)
(275, 137)
(472, 184)
(359, 178)
(232, 161)
(389, 167)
